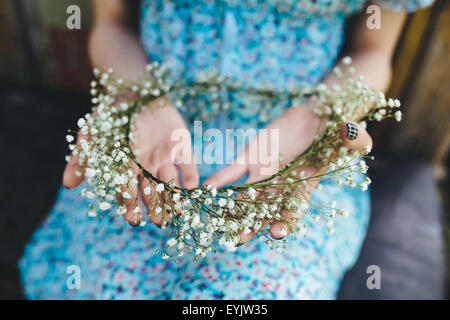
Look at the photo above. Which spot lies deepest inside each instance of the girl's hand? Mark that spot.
(297, 128)
(158, 153)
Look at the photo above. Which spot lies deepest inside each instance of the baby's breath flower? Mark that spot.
(172, 242)
(121, 210)
(367, 149)
(176, 197)
(104, 206)
(159, 187)
(147, 190)
(126, 195)
(89, 173)
(81, 122)
(196, 193)
(343, 213)
(222, 202)
(252, 193)
(347, 61)
(92, 213)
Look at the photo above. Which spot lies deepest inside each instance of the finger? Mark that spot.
(129, 198)
(189, 175)
(152, 202)
(282, 228)
(73, 173)
(355, 137)
(150, 163)
(168, 173)
(246, 237)
(227, 175)
(185, 161)
(288, 218)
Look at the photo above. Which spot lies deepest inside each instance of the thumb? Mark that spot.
(355, 137)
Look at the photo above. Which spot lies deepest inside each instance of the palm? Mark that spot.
(158, 152)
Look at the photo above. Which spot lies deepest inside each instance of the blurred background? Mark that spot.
(44, 78)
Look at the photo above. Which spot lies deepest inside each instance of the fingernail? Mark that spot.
(278, 230)
(134, 223)
(280, 236)
(352, 131)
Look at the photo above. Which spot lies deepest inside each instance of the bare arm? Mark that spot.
(111, 44)
(372, 50)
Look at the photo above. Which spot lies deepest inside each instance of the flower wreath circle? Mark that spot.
(204, 218)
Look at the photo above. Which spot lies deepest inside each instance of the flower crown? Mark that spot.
(204, 218)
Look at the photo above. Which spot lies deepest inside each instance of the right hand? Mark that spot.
(158, 154)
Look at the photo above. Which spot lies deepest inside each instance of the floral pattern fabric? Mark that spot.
(278, 43)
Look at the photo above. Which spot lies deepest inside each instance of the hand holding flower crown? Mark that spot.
(154, 125)
(296, 129)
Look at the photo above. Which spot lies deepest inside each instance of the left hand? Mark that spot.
(297, 127)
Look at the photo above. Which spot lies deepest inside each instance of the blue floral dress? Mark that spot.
(259, 42)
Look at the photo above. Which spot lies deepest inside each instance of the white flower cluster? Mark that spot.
(202, 219)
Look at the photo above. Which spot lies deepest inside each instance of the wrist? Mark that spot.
(305, 112)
